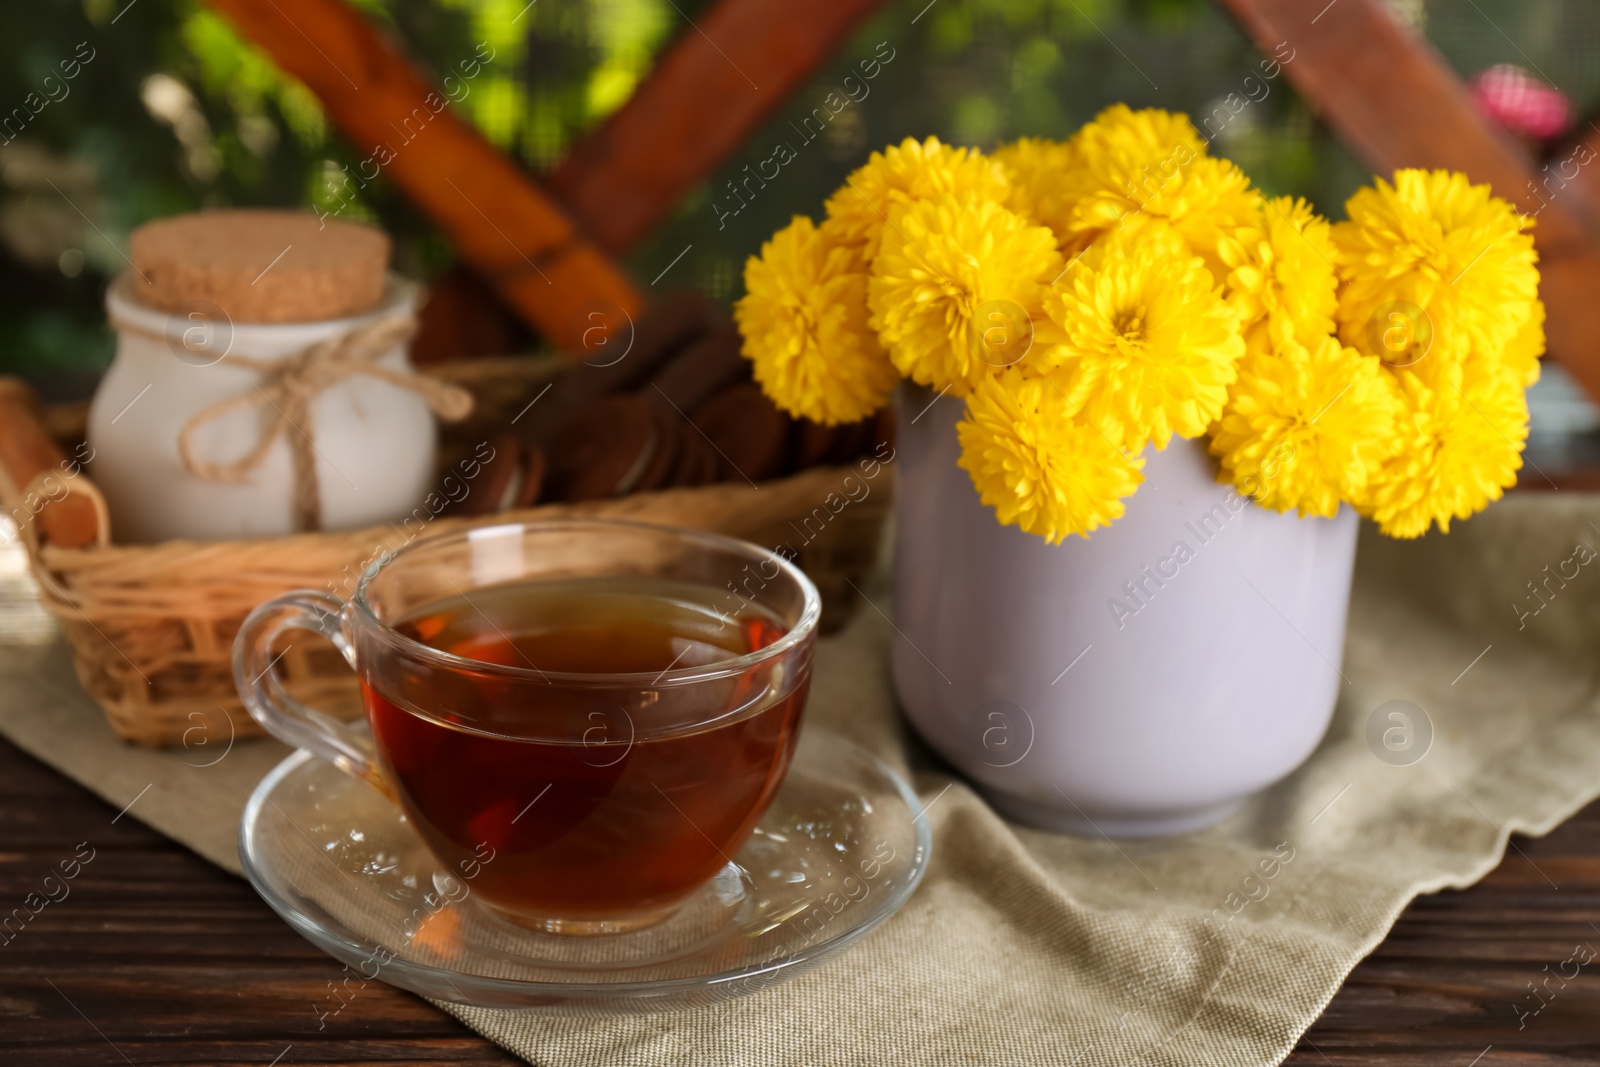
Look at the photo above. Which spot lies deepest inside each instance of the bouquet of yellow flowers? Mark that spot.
(1093, 297)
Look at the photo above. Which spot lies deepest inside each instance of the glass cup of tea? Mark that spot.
(590, 715)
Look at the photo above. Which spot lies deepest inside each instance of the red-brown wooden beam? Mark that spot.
(1573, 169)
(726, 72)
(1394, 101)
(500, 221)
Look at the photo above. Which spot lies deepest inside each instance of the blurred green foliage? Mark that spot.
(175, 112)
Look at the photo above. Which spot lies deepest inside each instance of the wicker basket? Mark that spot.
(151, 627)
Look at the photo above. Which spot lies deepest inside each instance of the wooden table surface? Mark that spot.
(157, 957)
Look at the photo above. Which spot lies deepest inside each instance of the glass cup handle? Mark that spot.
(270, 703)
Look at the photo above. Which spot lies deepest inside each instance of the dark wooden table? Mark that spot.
(156, 957)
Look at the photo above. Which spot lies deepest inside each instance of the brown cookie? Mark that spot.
(854, 438)
(697, 461)
(670, 324)
(712, 468)
(749, 432)
(883, 429)
(699, 372)
(602, 449)
(535, 465)
(813, 443)
(661, 333)
(499, 479)
(670, 431)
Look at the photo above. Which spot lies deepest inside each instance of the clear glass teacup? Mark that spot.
(590, 714)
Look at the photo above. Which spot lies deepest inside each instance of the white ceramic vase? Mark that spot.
(1143, 681)
(375, 442)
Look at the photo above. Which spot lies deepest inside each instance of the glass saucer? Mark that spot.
(841, 848)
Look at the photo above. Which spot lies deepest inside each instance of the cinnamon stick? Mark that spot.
(27, 452)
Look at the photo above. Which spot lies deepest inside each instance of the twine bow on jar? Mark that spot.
(285, 392)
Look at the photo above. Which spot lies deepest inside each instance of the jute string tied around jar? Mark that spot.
(285, 391)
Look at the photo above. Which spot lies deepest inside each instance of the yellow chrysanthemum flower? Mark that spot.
(1150, 345)
(804, 321)
(1522, 352)
(1040, 467)
(1460, 434)
(904, 174)
(947, 271)
(1280, 274)
(1434, 241)
(1151, 164)
(1305, 427)
(1036, 171)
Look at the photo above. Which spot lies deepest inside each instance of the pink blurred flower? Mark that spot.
(1521, 102)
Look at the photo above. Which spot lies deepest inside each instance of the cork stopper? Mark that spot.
(260, 265)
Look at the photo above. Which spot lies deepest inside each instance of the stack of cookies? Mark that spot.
(677, 408)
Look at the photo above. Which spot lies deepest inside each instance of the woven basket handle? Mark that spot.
(269, 701)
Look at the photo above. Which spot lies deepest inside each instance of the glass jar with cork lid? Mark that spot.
(261, 384)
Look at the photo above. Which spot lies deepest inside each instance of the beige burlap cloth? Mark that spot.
(1023, 947)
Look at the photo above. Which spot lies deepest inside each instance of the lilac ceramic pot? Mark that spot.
(1142, 681)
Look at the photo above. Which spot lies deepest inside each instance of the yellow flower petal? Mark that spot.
(1150, 164)
(804, 322)
(1040, 467)
(1461, 430)
(1036, 170)
(903, 174)
(1281, 275)
(1434, 241)
(1522, 352)
(1150, 346)
(1306, 428)
(948, 271)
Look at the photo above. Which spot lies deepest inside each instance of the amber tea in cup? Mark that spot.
(597, 821)
(590, 716)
